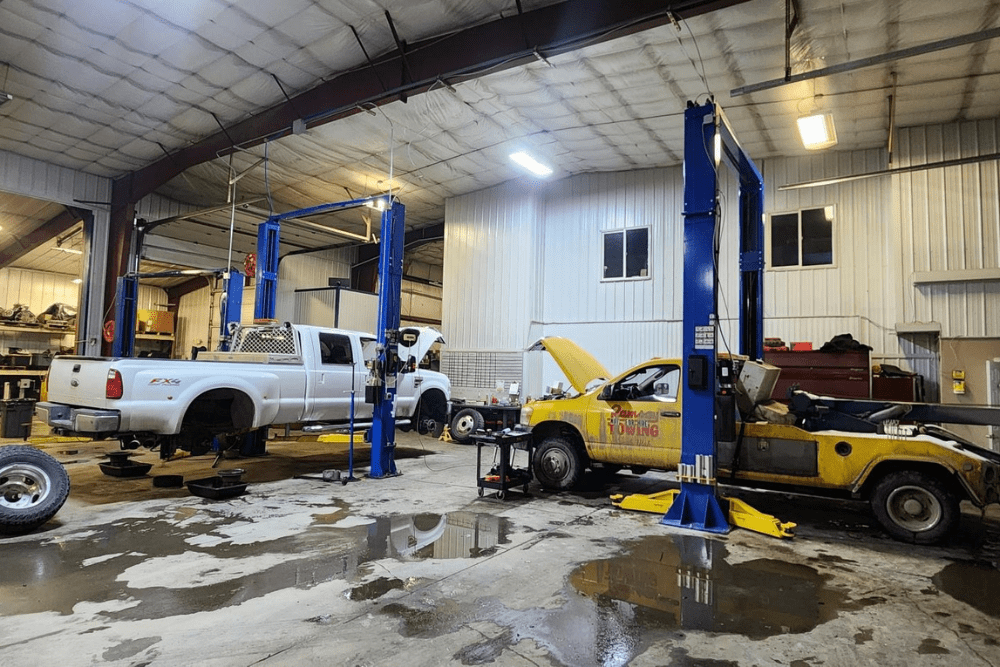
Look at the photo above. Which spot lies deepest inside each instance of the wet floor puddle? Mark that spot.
(976, 584)
(659, 586)
(57, 575)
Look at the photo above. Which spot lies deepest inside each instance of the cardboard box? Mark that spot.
(154, 321)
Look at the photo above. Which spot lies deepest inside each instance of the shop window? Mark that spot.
(802, 238)
(626, 254)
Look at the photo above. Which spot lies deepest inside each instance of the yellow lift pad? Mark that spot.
(739, 513)
(341, 438)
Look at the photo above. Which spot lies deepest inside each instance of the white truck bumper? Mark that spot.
(78, 420)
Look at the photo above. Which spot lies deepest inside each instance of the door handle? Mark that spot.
(670, 414)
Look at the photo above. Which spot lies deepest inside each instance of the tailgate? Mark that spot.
(79, 381)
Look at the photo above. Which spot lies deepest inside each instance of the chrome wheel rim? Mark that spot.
(464, 425)
(23, 486)
(914, 508)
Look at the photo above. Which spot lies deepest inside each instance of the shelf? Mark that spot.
(36, 330)
(163, 337)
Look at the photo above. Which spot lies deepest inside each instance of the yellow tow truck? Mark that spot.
(913, 473)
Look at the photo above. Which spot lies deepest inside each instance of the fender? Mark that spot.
(894, 461)
(262, 388)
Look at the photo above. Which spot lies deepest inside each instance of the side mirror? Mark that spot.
(409, 366)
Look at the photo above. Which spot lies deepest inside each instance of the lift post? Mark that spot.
(126, 305)
(382, 382)
(268, 235)
(708, 140)
(230, 306)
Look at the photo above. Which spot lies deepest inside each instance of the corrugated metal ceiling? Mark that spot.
(108, 87)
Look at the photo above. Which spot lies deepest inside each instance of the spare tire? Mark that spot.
(466, 422)
(33, 486)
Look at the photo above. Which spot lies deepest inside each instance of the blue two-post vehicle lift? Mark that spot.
(380, 389)
(708, 141)
(381, 386)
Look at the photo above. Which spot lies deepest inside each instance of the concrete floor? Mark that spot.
(416, 570)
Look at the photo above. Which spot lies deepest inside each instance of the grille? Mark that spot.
(271, 340)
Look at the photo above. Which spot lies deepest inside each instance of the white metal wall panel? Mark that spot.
(490, 270)
(950, 221)
(576, 211)
(33, 178)
(860, 294)
(307, 271)
(192, 328)
(358, 310)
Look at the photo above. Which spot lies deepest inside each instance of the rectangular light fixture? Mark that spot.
(70, 250)
(817, 131)
(76, 281)
(530, 163)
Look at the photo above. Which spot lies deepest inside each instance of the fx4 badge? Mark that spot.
(164, 382)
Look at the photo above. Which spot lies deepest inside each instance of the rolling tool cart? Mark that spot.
(504, 475)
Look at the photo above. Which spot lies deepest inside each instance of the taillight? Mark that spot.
(113, 388)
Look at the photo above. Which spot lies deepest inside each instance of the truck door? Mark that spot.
(639, 418)
(330, 380)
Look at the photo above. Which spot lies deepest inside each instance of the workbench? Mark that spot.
(504, 475)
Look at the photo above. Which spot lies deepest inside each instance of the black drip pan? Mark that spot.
(128, 470)
(216, 488)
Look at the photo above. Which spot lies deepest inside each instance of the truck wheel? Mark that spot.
(431, 414)
(915, 507)
(33, 486)
(465, 423)
(558, 464)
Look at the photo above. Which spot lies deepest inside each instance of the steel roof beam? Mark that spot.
(39, 236)
(462, 55)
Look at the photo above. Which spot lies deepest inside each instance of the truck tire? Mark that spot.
(466, 422)
(558, 464)
(431, 414)
(33, 486)
(915, 507)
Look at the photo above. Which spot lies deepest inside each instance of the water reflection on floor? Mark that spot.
(156, 568)
(658, 586)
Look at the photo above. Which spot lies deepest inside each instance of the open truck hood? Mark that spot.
(425, 338)
(579, 366)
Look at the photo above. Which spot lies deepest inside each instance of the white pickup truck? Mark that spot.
(273, 375)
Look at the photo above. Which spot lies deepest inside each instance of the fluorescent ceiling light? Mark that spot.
(72, 250)
(76, 281)
(530, 163)
(817, 131)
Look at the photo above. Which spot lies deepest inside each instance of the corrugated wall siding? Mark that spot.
(33, 178)
(861, 292)
(490, 284)
(523, 264)
(491, 272)
(950, 221)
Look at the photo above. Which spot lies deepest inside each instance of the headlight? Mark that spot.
(525, 419)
